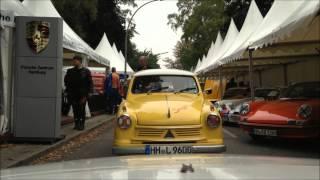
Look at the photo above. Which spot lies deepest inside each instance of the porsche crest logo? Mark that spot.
(37, 35)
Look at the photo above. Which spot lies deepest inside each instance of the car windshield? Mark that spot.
(236, 93)
(163, 83)
(304, 90)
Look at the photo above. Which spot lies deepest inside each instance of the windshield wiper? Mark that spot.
(158, 89)
(185, 89)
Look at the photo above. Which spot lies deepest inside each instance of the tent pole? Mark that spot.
(260, 78)
(285, 74)
(251, 74)
(220, 82)
(85, 60)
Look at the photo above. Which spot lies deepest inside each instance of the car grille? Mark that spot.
(150, 132)
(184, 132)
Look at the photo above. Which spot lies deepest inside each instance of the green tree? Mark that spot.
(91, 18)
(172, 64)
(201, 20)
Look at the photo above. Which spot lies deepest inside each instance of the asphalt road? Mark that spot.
(237, 142)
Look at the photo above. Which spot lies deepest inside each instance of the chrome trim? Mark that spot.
(195, 149)
(168, 127)
(274, 125)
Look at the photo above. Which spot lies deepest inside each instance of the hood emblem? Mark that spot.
(169, 135)
(37, 35)
(169, 113)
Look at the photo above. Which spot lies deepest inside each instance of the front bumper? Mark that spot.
(195, 149)
(284, 131)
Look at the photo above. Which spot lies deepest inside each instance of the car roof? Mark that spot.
(151, 72)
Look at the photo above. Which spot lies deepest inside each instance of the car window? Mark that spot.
(154, 84)
(304, 90)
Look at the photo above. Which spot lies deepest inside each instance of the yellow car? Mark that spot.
(165, 113)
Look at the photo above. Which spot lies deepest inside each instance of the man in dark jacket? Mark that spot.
(78, 82)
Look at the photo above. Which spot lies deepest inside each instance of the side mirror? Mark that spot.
(208, 91)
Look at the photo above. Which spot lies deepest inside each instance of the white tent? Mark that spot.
(122, 59)
(211, 54)
(6, 61)
(104, 49)
(129, 69)
(251, 23)
(197, 66)
(71, 40)
(292, 33)
(217, 46)
(205, 61)
(121, 55)
(288, 23)
(15, 6)
(228, 41)
(282, 19)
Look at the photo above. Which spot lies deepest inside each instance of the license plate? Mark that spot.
(265, 132)
(168, 149)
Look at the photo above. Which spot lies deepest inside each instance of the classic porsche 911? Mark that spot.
(165, 113)
(297, 115)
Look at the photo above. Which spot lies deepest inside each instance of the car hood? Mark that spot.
(168, 167)
(280, 111)
(167, 109)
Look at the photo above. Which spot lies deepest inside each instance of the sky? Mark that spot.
(154, 32)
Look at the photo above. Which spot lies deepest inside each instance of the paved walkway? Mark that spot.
(16, 154)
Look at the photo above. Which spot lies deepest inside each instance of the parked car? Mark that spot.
(295, 116)
(165, 113)
(267, 93)
(230, 108)
(230, 102)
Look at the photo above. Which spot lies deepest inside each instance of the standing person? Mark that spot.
(114, 81)
(231, 84)
(78, 82)
(107, 90)
(143, 63)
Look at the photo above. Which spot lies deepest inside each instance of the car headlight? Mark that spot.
(124, 121)
(245, 109)
(305, 111)
(213, 121)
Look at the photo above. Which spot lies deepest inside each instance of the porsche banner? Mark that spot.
(37, 74)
